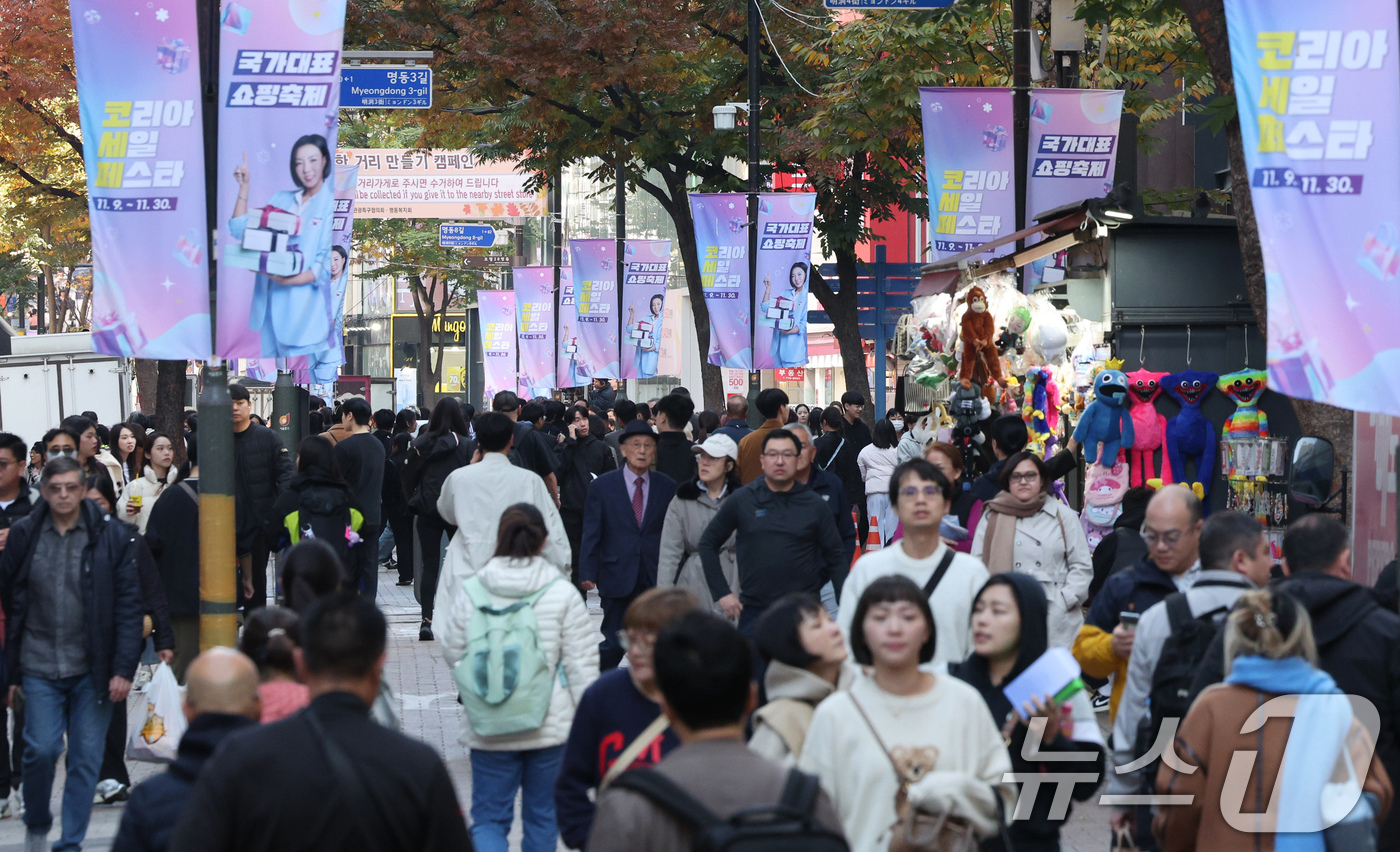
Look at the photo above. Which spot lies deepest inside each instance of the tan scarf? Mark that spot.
(999, 545)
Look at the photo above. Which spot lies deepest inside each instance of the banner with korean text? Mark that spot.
(139, 108)
(1073, 148)
(971, 166)
(534, 329)
(646, 266)
(279, 93)
(495, 315)
(1317, 86)
(567, 367)
(722, 242)
(595, 308)
(407, 183)
(784, 267)
(325, 366)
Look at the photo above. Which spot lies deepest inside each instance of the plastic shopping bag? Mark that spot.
(157, 720)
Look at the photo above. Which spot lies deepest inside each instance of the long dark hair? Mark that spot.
(135, 461)
(522, 532)
(447, 417)
(832, 419)
(310, 572)
(317, 455)
(270, 636)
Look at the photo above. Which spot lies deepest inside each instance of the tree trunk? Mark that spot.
(1208, 22)
(170, 403)
(841, 310)
(145, 369)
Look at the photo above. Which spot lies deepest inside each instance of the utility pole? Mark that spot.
(218, 623)
(556, 237)
(620, 209)
(755, 91)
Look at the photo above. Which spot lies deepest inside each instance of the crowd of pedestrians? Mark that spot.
(761, 656)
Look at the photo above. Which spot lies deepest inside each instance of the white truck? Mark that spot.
(47, 377)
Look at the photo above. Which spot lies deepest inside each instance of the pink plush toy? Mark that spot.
(1149, 427)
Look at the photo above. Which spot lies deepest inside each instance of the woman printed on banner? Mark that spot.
(646, 354)
(789, 347)
(325, 366)
(290, 310)
(578, 373)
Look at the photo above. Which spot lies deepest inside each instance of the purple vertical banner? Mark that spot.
(1073, 148)
(1312, 83)
(534, 329)
(495, 315)
(645, 271)
(279, 94)
(784, 270)
(722, 243)
(325, 366)
(595, 306)
(139, 108)
(566, 367)
(970, 160)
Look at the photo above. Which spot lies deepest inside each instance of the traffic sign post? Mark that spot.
(386, 87)
(452, 235)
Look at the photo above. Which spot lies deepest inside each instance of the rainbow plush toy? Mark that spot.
(1245, 387)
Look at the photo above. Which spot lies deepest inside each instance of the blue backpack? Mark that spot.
(504, 679)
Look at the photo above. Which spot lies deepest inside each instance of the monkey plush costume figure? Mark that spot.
(978, 340)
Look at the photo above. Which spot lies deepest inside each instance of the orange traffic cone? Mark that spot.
(873, 539)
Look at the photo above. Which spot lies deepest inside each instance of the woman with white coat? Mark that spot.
(696, 503)
(527, 761)
(876, 462)
(1026, 530)
(140, 494)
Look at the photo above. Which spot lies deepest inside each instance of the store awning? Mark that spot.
(1062, 231)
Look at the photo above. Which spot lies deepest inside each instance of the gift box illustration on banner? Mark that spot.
(642, 331)
(115, 330)
(266, 239)
(236, 18)
(267, 262)
(1380, 252)
(781, 310)
(275, 219)
(173, 55)
(994, 137)
(188, 250)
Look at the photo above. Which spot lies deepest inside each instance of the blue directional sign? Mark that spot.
(465, 236)
(386, 87)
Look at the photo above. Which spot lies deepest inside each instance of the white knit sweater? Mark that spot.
(567, 637)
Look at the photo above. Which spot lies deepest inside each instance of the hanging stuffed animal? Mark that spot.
(1037, 408)
(1013, 333)
(1189, 434)
(968, 407)
(978, 343)
(1104, 488)
(1106, 426)
(1245, 387)
(1149, 427)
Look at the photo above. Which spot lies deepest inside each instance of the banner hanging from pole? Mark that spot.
(784, 268)
(1317, 85)
(595, 305)
(325, 366)
(495, 314)
(567, 364)
(1072, 151)
(970, 160)
(645, 272)
(279, 93)
(722, 243)
(534, 329)
(139, 105)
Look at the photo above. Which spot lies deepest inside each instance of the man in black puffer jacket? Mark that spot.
(1358, 642)
(72, 597)
(261, 469)
(583, 457)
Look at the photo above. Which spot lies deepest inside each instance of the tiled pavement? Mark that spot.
(423, 684)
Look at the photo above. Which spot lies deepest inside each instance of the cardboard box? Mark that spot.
(270, 263)
(275, 219)
(264, 239)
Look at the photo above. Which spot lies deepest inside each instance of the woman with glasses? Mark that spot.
(1023, 529)
(509, 756)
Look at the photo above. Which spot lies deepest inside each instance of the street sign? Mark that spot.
(889, 4)
(386, 87)
(452, 235)
(487, 260)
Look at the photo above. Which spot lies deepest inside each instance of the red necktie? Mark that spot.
(637, 501)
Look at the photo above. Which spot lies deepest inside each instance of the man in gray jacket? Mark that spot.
(1234, 559)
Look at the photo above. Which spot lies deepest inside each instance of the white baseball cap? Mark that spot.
(717, 447)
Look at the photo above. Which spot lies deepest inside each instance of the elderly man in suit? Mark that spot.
(622, 519)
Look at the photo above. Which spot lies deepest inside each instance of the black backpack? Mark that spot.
(424, 475)
(323, 513)
(788, 826)
(1177, 666)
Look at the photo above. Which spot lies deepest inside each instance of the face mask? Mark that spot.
(63, 454)
(897, 424)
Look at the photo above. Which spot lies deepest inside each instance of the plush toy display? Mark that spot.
(1245, 387)
(1104, 488)
(1013, 333)
(978, 342)
(1106, 426)
(1149, 427)
(1189, 434)
(968, 408)
(1040, 414)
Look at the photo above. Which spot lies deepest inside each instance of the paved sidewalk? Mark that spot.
(423, 684)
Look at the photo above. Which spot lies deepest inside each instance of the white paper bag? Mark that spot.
(157, 722)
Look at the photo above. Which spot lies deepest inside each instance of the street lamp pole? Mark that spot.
(755, 81)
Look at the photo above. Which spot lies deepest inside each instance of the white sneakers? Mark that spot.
(110, 790)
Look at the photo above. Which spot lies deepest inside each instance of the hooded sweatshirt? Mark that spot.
(1079, 730)
(566, 637)
(780, 726)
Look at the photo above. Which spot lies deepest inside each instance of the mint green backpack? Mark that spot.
(504, 680)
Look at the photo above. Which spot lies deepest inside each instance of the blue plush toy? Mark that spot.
(1190, 434)
(1106, 426)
